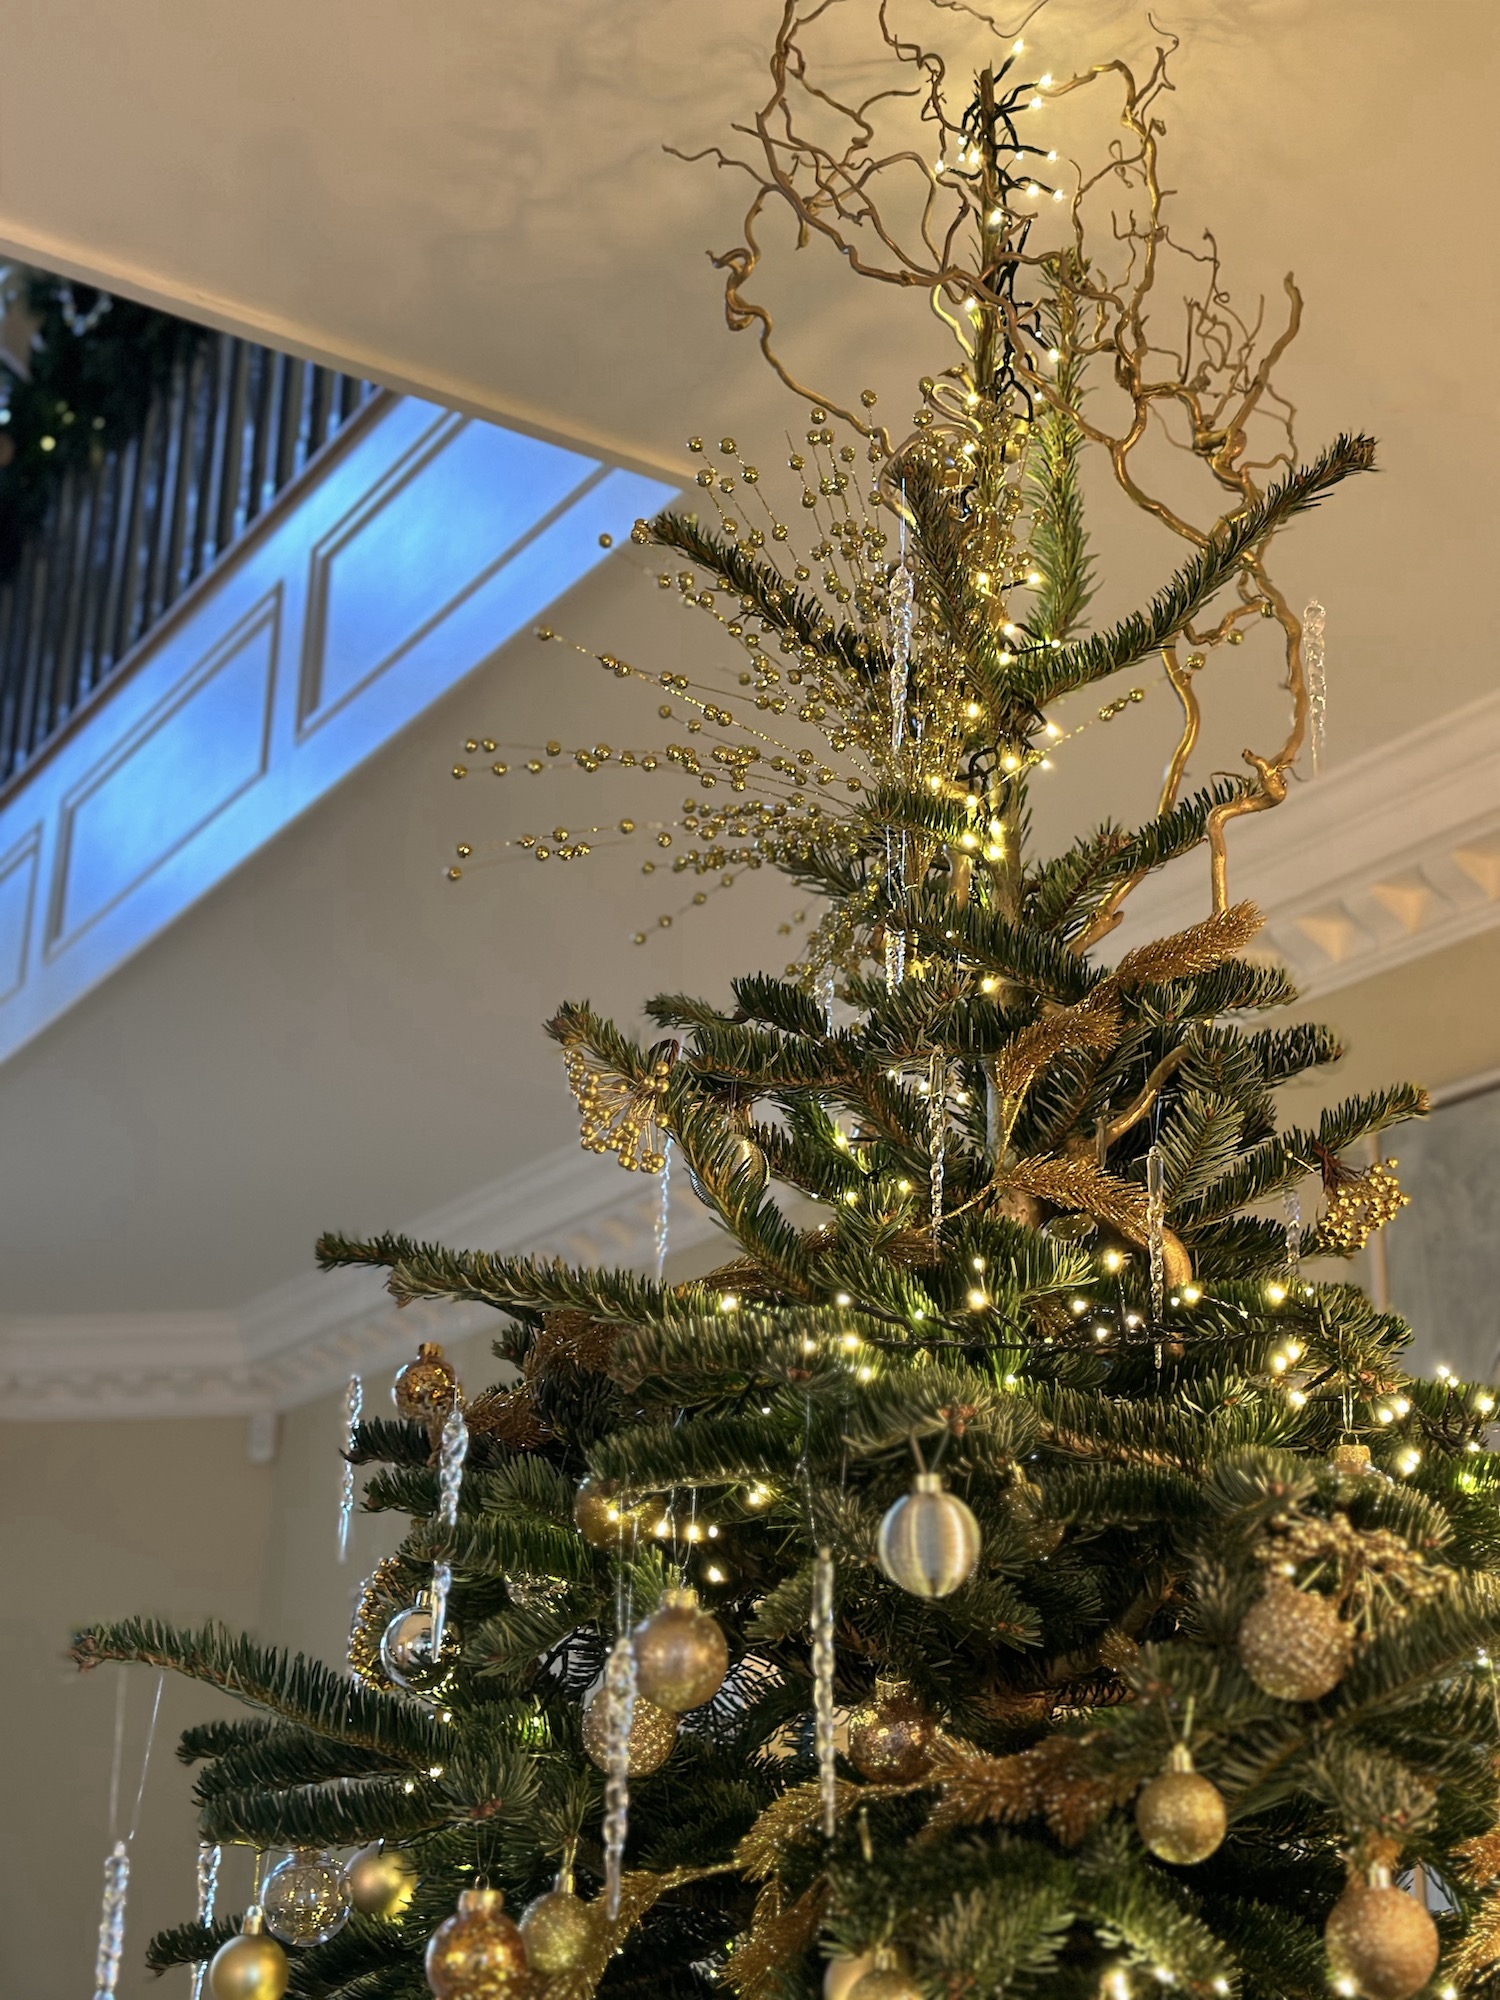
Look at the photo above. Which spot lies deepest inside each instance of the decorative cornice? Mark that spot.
(305, 1338)
(1387, 858)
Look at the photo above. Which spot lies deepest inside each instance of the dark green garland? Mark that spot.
(88, 394)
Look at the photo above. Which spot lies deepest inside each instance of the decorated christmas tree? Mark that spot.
(1018, 1566)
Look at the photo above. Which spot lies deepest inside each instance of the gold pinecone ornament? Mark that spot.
(1381, 1939)
(381, 1881)
(479, 1954)
(1181, 1815)
(251, 1966)
(560, 1930)
(681, 1655)
(653, 1734)
(892, 1737)
(929, 1540)
(1293, 1643)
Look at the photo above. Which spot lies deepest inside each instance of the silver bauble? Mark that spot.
(929, 1541)
(406, 1649)
(305, 1898)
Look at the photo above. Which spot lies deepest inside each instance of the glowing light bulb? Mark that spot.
(978, 1300)
(729, 1303)
(842, 1299)
(1275, 1293)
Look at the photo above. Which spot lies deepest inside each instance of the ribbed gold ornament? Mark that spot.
(892, 1737)
(653, 1733)
(382, 1881)
(681, 1655)
(1293, 1643)
(603, 1520)
(1381, 1939)
(478, 1954)
(251, 1966)
(1180, 1815)
(560, 1929)
(425, 1388)
(929, 1540)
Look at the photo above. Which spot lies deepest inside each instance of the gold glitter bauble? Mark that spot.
(929, 1541)
(1293, 1643)
(1350, 1458)
(653, 1733)
(251, 1966)
(604, 1521)
(892, 1737)
(1181, 1815)
(479, 1954)
(681, 1655)
(382, 1881)
(560, 1930)
(305, 1899)
(842, 1975)
(1381, 1939)
(425, 1388)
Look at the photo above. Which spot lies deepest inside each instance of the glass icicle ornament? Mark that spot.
(1156, 1225)
(823, 987)
(664, 1209)
(902, 612)
(210, 1854)
(937, 1135)
(112, 1922)
(1314, 666)
(620, 1694)
(1291, 1208)
(354, 1401)
(823, 1666)
(452, 1452)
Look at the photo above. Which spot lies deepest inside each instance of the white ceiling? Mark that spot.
(470, 198)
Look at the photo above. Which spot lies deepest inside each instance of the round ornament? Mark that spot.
(305, 1898)
(892, 1737)
(1381, 1939)
(681, 1655)
(842, 1975)
(653, 1732)
(406, 1649)
(560, 1929)
(1293, 1643)
(478, 1954)
(885, 1981)
(1350, 1458)
(382, 1881)
(251, 1966)
(929, 1540)
(603, 1520)
(425, 1388)
(1180, 1815)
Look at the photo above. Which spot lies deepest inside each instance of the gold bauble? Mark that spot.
(382, 1881)
(479, 1954)
(929, 1541)
(1381, 1939)
(251, 1966)
(1293, 1643)
(305, 1899)
(892, 1737)
(425, 1388)
(1181, 1815)
(560, 1929)
(653, 1732)
(681, 1655)
(1350, 1458)
(603, 1520)
(842, 1975)
(885, 1982)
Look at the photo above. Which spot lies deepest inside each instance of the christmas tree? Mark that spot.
(1012, 1569)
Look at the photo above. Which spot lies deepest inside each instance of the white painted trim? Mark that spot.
(1386, 858)
(311, 343)
(304, 1339)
